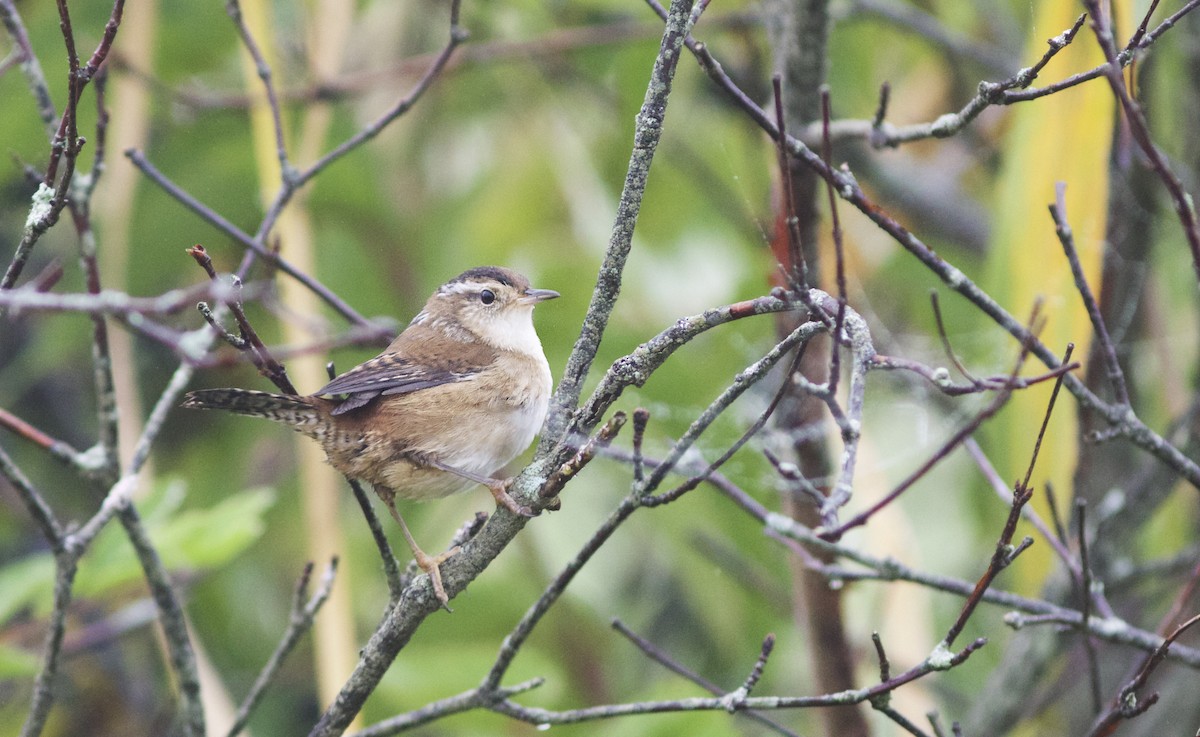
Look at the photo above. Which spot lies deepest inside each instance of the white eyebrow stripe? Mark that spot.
(460, 287)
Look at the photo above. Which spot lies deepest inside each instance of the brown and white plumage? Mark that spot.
(455, 397)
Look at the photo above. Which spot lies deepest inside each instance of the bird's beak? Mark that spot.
(533, 296)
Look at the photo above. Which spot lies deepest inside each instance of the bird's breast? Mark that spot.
(477, 424)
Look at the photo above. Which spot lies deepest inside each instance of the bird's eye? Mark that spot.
(487, 297)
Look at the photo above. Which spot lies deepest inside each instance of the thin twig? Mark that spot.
(743, 381)
(297, 179)
(647, 134)
(664, 659)
(1127, 705)
(43, 685)
(304, 610)
(33, 500)
(170, 614)
(30, 65)
(934, 663)
(1058, 211)
(391, 565)
(1005, 551)
(1184, 206)
(256, 246)
(234, 10)
(935, 303)
(567, 471)
(259, 354)
(1086, 594)
(796, 271)
(1004, 92)
(641, 416)
(1057, 538)
(839, 247)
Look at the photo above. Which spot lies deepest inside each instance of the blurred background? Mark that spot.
(516, 156)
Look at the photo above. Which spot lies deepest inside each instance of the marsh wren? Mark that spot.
(456, 396)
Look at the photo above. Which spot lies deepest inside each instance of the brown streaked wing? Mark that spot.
(392, 373)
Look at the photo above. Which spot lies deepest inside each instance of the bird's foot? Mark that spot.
(431, 564)
(499, 489)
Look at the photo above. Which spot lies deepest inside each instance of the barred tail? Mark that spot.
(297, 412)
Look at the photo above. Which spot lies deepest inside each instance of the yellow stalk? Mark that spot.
(335, 644)
(1062, 138)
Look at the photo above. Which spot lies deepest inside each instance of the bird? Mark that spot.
(454, 398)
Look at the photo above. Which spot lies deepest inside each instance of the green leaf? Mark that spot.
(194, 539)
(206, 538)
(27, 584)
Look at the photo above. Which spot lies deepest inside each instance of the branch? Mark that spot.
(1185, 208)
(402, 620)
(1123, 422)
(662, 658)
(301, 620)
(255, 245)
(293, 180)
(1127, 705)
(785, 529)
(647, 132)
(30, 65)
(939, 660)
(249, 342)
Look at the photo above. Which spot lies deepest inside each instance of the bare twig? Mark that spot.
(391, 566)
(1056, 538)
(1127, 704)
(293, 181)
(743, 381)
(1184, 206)
(33, 500)
(1086, 596)
(839, 248)
(256, 245)
(641, 416)
(583, 456)
(249, 341)
(112, 302)
(608, 281)
(796, 270)
(664, 659)
(1005, 550)
(66, 143)
(1003, 92)
(1119, 417)
(936, 662)
(234, 9)
(1058, 211)
(304, 609)
(30, 65)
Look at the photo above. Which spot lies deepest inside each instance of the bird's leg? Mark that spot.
(498, 487)
(431, 564)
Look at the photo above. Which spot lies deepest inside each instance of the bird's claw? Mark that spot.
(431, 564)
(503, 499)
